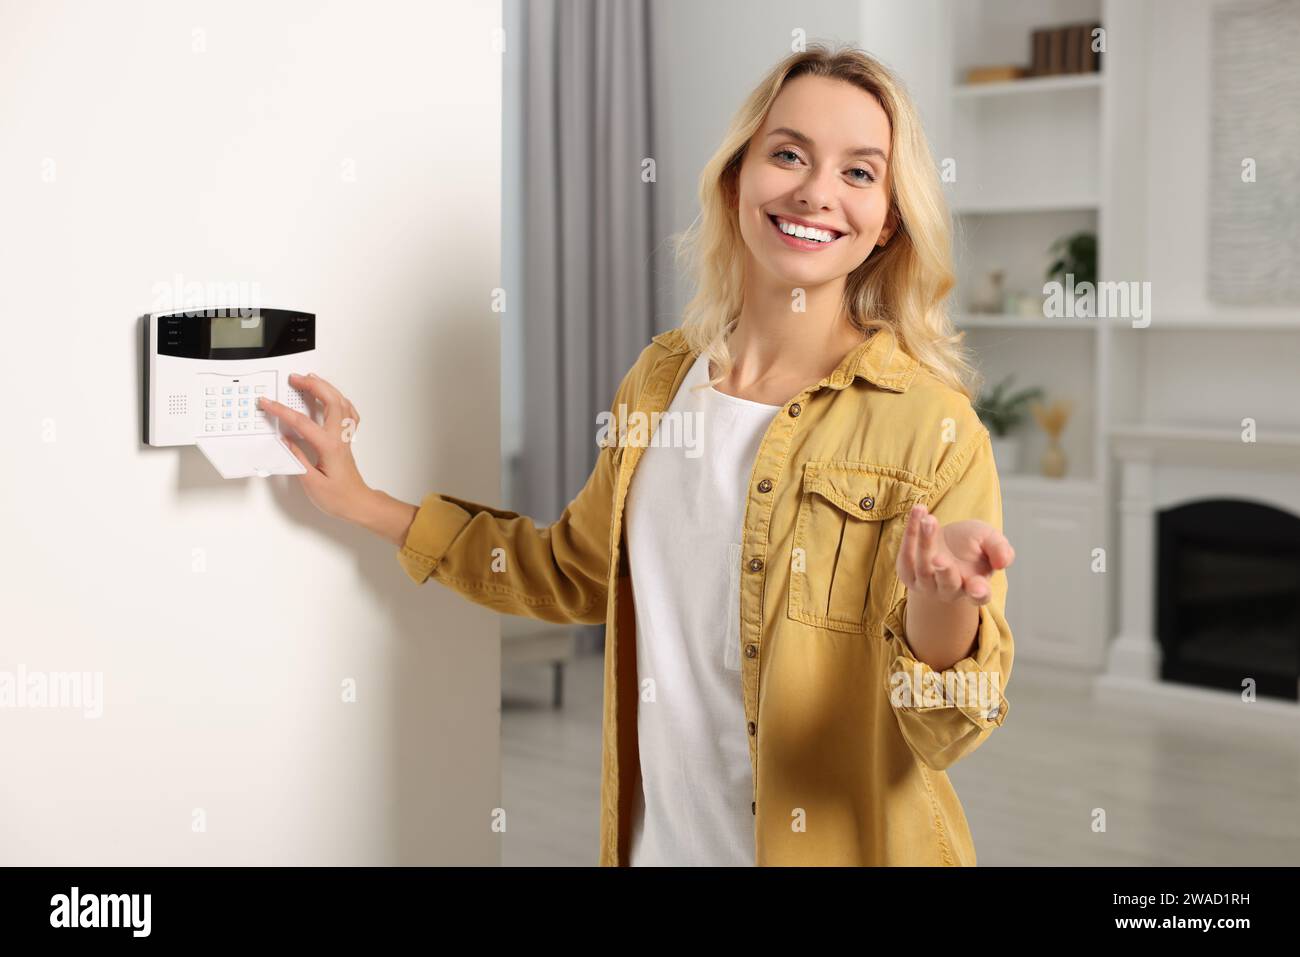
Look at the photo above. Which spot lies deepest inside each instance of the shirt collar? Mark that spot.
(880, 360)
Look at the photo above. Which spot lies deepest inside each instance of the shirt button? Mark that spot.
(765, 485)
(868, 503)
(753, 807)
(751, 651)
(753, 728)
(756, 564)
(795, 410)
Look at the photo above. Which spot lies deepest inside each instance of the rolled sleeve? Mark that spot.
(437, 523)
(945, 715)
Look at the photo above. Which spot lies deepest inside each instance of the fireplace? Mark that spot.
(1228, 596)
(1208, 577)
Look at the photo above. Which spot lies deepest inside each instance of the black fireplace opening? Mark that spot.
(1228, 596)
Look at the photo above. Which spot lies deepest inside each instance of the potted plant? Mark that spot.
(1001, 411)
(1075, 263)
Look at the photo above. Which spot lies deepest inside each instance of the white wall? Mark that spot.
(911, 39)
(223, 686)
(1179, 98)
(1187, 377)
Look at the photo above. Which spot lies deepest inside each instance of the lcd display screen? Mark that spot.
(237, 332)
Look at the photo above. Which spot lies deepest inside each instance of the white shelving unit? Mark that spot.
(1031, 168)
(1029, 85)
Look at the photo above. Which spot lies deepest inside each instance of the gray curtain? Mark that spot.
(589, 291)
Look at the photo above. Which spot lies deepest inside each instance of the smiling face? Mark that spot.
(813, 193)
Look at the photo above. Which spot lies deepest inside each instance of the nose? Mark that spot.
(817, 191)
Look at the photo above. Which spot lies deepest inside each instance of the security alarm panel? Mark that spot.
(205, 371)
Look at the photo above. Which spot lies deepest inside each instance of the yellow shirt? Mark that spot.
(849, 733)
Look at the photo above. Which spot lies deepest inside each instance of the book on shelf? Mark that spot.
(1091, 57)
(1073, 49)
(1063, 50)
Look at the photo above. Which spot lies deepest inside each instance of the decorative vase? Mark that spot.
(1053, 462)
(988, 297)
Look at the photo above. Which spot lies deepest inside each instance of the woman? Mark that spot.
(818, 628)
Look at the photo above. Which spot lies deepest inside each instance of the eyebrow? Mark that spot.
(807, 141)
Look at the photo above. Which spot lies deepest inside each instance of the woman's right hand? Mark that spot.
(334, 483)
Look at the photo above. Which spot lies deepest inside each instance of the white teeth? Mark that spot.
(805, 232)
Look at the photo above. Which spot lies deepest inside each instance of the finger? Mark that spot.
(999, 550)
(918, 519)
(946, 578)
(927, 552)
(322, 392)
(302, 424)
(977, 589)
(346, 408)
(350, 413)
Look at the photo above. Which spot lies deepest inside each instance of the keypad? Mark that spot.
(231, 406)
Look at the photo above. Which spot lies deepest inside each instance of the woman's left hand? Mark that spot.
(951, 563)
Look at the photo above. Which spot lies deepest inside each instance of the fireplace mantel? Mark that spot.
(1205, 446)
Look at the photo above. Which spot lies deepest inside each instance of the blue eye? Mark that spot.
(867, 177)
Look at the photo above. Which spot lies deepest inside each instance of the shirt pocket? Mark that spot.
(849, 514)
(731, 636)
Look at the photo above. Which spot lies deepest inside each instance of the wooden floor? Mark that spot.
(1175, 790)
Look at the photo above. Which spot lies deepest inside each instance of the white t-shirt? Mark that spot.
(685, 513)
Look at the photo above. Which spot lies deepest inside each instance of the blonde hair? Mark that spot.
(902, 286)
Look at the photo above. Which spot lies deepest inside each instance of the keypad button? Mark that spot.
(227, 426)
(211, 415)
(227, 390)
(211, 390)
(243, 389)
(260, 389)
(211, 427)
